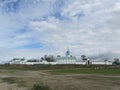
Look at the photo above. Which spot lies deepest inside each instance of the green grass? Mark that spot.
(50, 67)
(86, 71)
(14, 80)
(9, 80)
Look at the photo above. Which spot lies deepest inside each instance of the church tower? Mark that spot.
(68, 53)
(68, 59)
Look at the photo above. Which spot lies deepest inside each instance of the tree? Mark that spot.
(116, 61)
(49, 58)
(84, 58)
(42, 58)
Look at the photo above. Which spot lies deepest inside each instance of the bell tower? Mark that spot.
(68, 53)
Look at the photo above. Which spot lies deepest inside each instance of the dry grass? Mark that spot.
(21, 80)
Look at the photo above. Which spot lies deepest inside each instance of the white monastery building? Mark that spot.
(50, 59)
(68, 59)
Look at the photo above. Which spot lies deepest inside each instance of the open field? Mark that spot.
(87, 71)
(74, 78)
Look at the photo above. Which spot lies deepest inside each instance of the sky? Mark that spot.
(33, 28)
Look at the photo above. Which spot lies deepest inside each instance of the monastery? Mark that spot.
(50, 59)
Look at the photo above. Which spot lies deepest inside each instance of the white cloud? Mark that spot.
(87, 27)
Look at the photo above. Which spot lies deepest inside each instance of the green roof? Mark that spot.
(65, 58)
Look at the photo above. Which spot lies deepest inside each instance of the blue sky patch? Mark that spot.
(55, 25)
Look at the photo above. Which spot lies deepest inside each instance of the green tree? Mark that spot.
(116, 61)
(83, 57)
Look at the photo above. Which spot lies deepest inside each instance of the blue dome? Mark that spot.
(68, 52)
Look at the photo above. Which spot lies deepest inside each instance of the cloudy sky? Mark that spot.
(32, 28)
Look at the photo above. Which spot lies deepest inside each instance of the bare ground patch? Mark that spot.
(21, 80)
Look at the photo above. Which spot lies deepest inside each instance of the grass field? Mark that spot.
(87, 71)
(59, 77)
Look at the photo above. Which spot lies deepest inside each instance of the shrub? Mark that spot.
(40, 87)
